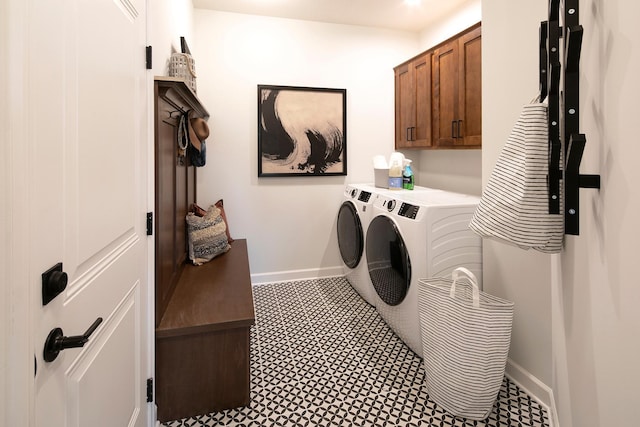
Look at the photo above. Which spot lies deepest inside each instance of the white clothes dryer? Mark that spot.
(419, 235)
(353, 219)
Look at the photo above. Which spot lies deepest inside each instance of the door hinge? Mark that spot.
(149, 223)
(148, 57)
(150, 390)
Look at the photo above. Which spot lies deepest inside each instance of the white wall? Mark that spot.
(468, 14)
(596, 321)
(289, 223)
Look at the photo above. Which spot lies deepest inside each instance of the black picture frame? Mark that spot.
(302, 131)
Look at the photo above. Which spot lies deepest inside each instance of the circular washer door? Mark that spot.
(350, 235)
(388, 260)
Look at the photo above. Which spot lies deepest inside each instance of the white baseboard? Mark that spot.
(535, 388)
(291, 275)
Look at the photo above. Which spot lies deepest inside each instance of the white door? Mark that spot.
(87, 194)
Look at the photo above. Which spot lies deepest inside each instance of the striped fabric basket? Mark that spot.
(465, 338)
(514, 207)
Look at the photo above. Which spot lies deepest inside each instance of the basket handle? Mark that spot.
(191, 66)
(474, 283)
(188, 59)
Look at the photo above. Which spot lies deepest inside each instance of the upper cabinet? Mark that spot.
(439, 100)
(413, 103)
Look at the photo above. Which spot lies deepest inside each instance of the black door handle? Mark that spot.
(459, 132)
(453, 129)
(56, 341)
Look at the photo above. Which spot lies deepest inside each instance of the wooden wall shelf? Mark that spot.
(182, 96)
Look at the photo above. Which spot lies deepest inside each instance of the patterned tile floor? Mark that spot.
(321, 356)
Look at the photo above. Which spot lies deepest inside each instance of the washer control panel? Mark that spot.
(409, 211)
(364, 196)
(398, 207)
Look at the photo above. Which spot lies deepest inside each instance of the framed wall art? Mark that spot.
(302, 131)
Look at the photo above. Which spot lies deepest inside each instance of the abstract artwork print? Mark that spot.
(301, 131)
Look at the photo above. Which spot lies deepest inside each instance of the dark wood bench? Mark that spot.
(202, 342)
(203, 314)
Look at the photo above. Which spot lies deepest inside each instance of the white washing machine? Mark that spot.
(353, 219)
(414, 236)
(354, 216)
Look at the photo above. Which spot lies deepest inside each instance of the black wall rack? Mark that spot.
(566, 143)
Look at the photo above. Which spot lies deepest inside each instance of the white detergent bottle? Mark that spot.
(395, 175)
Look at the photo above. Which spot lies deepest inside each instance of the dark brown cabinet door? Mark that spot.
(470, 90)
(405, 105)
(422, 82)
(457, 92)
(445, 94)
(413, 103)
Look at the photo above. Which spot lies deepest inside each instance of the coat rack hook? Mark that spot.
(574, 47)
(574, 181)
(172, 103)
(554, 10)
(544, 61)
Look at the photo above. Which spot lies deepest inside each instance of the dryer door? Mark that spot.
(350, 235)
(388, 260)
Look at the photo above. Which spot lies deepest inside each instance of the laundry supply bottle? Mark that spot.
(407, 176)
(395, 175)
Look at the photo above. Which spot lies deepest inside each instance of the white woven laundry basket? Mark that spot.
(466, 335)
(184, 66)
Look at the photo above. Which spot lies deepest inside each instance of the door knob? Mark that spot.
(56, 341)
(54, 281)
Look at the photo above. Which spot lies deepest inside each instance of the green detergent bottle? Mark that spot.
(407, 176)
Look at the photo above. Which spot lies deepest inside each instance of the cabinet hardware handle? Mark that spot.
(459, 132)
(407, 136)
(453, 129)
(413, 133)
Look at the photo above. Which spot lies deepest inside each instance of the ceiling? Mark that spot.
(391, 14)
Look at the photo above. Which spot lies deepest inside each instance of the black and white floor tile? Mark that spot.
(321, 356)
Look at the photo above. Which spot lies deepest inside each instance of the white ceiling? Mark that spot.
(391, 14)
